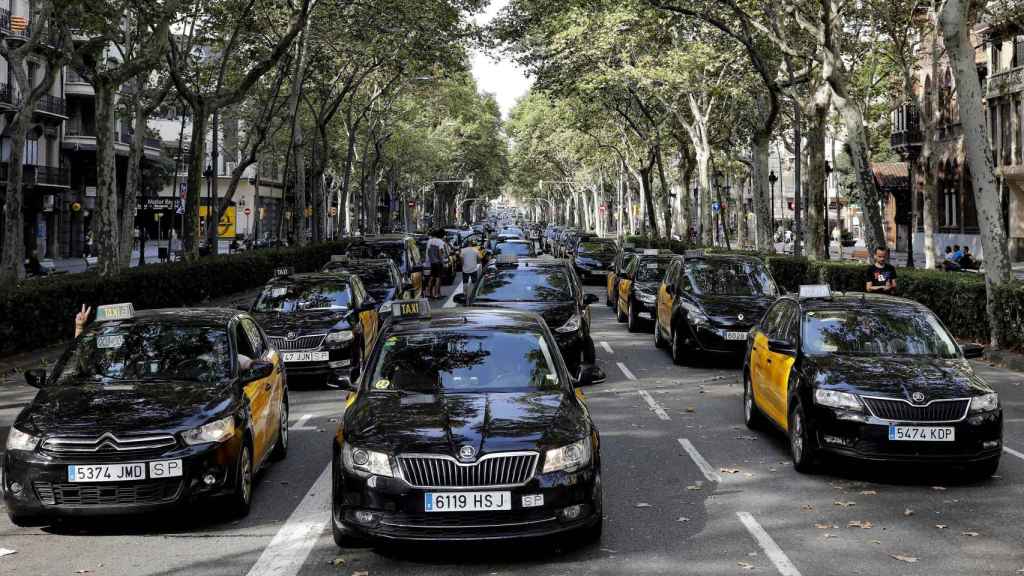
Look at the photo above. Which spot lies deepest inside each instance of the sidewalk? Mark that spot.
(77, 264)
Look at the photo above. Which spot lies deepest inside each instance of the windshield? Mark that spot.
(908, 332)
(148, 351)
(524, 285)
(517, 248)
(322, 295)
(597, 249)
(465, 362)
(728, 278)
(373, 278)
(652, 270)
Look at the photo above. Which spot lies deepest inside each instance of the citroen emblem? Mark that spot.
(467, 452)
(739, 317)
(291, 335)
(917, 397)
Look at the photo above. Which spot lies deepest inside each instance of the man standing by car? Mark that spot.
(470, 258)
(437, 253)
(881, 276)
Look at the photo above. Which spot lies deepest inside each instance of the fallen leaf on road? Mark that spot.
(869, 493)
(859, 524)
(876, 541)
(642, 505)
(691, 409)
(902, 558)
(338, 562)
(773, 470)
(729, 470)
(361, 573)
(694, 487)
(844, 504)
(807, 507)
(969, 533)
(745, 565)
(908, 512)
(938, 488)
(608, 550)
(825, 526)
(83, 571)
(682, 519)
(941, 526)
(829, 535)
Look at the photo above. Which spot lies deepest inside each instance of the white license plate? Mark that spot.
(735, 335)
(466, 501)
(306, 356)
(124, 472)
(923, 433)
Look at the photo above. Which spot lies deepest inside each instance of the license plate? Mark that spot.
(466, 501)
(306, 356)
(922, 433)
(124, 472)
(735, 335)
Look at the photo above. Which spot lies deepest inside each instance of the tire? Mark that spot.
(752, 415)
(678, 353)
(343, 537)
(801, 445)
(659, 342)
(241, 501)
(620, 315)
(280, 451)
(632, 320)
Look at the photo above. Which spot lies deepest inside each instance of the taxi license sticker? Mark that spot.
(391, 341)
(382, 384)
(110, 341)
(652, 266)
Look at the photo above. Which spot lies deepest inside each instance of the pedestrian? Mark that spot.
(470, 256)
(436, 255)
(967, 261)
(958, 253)
(881, 276)
(88, 244)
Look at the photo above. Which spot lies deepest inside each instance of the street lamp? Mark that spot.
(772, 179)
(208, 175)
(828, 176)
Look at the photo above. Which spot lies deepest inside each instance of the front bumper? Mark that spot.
(711, 338)
(46, 493)
(864, 437)
(338, 364)
(398, 509)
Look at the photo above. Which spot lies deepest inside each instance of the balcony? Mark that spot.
(6, 21)
(52, 105)
(36, 176)
(1006, 82)
(905, 136)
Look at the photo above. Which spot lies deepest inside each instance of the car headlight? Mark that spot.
(697, 317)
(368, 461)
(385, 308)
(18, 440)
(646, 298)
(836, 399)
(339, 336)
(568, 458)
(216, 431)
(571, 325)
(983, 403)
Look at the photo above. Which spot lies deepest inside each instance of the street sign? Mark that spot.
(715, 206)
(247, 211)
(412, 203)
(334, 211)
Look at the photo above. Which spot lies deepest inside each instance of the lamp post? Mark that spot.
(828, 241)
(208, 175)
(772, 179)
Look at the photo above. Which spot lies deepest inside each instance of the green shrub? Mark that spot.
(40, 312)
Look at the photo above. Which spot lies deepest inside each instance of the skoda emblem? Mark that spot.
(291, 335)
(739, 317)
(917, 397)
(466, 452)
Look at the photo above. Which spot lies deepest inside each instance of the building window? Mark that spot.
(1005, 134)
(31, 151)
(950, 197)
(1018, 51)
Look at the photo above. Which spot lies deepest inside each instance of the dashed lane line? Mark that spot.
(287, 552)
(625, 371)
(655, 407)
(705, 468)
(1013, 452)
(771, 549)
(607, 347)
(450, 303)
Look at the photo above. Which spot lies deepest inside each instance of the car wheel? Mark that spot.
(241, 500)
(343, 537)
(632, 320)
(801, 445)
(280, 450)
(752, 416)
(620, 314)
(659, 342)
(678, 351)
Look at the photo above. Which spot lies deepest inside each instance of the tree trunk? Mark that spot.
(761, 191)
(929, 158)
(212, 213)
(817, 238)
(13, 261)
(197, 151)
(666, 206)
(132, 182)
(648, 200)
(955, 20)
(106, 216)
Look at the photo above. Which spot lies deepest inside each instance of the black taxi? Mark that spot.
(148, 410)
(708, 303)
(638, 288)
(466, 425)
(593, 258)
(400, 248)
(870, 377)
(546, 287)
(380, 277)
(323, 323)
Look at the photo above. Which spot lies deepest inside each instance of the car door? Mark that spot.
(613, 275)
(626, 282)
(666, 297)
(259, 393)
(264, 352)
(368, 319)
(778, 365)
(758, 354)
(414, 265)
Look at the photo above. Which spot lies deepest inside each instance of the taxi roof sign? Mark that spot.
(402, 310)
(110, 312)
(343, 258)
(284, 271)
(651, 252)
(816, 291)
(693, 254)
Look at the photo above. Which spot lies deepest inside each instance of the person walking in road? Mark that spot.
(881, 276)
(470, 257)
(436, 255)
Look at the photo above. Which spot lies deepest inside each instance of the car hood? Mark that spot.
(443, 423)
(726, 310)
(897, 377)
(555, 314)
(164, 406)
(307, 322)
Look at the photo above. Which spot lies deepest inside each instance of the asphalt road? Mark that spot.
(688, 490)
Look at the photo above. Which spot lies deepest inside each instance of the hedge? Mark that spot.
(40, 312)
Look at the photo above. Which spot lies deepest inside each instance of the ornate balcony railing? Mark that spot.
(1007, 82)
(906, 128)
(34, 175)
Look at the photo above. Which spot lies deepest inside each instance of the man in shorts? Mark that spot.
(437, 253)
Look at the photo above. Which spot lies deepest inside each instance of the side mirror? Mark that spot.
(459, 299)
(781, 347)
(590, 299)
(258, 370)
(36, 377)
(970, 350)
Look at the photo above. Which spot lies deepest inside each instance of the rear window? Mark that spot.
(516, 248)
(524, 285)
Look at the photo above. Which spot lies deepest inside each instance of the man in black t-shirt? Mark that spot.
(881, 276)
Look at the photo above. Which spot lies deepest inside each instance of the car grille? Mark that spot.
(108, 443)
(67, 494)
(311, 342)
(936, 411)
(502, 469)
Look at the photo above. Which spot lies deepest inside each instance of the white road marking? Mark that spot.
(451, 299)
(607, 347)
(300, 424)
(287, 552)
(699, 460)
(655, 407)
(625, 371)
(771, 549)
(1013, 452)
